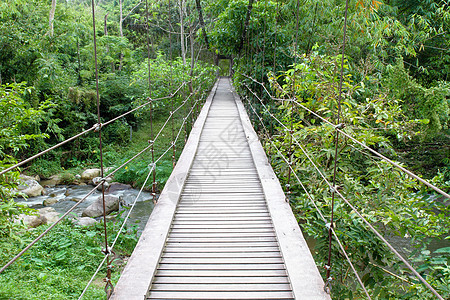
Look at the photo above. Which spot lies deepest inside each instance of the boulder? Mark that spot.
(116, 186)
(86, 221)
(32, 221)
(31, 188)
(52, 181)
(96, 208)
(50, 201)
(97, 180)
(90, 174)
(26, 177)
(49, 214)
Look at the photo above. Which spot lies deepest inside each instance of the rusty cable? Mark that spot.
(393, 250)
(337, 127)
(152, 167)
(336, 152)
(316, 207)
(151, 104)
(108, 287)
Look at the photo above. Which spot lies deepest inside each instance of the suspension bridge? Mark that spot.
(222, 227)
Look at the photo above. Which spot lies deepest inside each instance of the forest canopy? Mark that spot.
(395, 98)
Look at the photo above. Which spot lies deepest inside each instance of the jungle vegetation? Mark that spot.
(395, 99)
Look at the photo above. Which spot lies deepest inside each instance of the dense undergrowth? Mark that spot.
(396, 99)
(60, 265)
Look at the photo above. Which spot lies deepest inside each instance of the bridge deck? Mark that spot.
(225, 231)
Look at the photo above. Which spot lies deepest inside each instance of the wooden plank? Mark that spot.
(221, 260)
(233, 255)
(221, 230)
(220, 244)
(246, 287)
(241, 249)
(219, 280)
(176, 226)
(221, 267)
(219, 295)
(222, 273)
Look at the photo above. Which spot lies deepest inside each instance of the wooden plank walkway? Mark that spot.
(220, 241)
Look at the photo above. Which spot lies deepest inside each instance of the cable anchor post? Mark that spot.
(339, 126)
(327, 287)
(97, 127)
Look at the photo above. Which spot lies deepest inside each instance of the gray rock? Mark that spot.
(24, 177)
(49, 214)
(86, 221)
(90, 174)
(32, 221)
(50, 201)
(116, 186)
(31, 188)
(96, 208)
(97, 180)
(52, 181)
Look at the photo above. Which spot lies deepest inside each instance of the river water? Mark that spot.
(68, 196)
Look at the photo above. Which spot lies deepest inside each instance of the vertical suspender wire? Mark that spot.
(275, 39)
(275, 54)
(263, 54)
(108, 287)
(327, 287)
(171, 81)
(290, 151)
(152, 149)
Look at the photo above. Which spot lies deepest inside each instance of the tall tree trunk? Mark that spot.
(202, 22)
(247, 21)
(51, 17)
(79, 62)
(120, 32)
(191, 72)
(120, 18)
(182, 40)
(105, 30)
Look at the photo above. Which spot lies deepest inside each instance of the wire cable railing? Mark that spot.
(101, 181)
(339, 128)
(368, 224)
(95, 127)
(152, 167)
(289, 164)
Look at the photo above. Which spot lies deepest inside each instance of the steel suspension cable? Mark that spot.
(314, 204)
(89, 193)
(291, 131)
(108, 288)
(151, 104)
(153, 166)
(275, 42)
(336, 127)
(408, 265)
(171, 81)
(336, 148)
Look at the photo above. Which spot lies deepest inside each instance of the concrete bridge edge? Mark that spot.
(305, 278)
(137, 276)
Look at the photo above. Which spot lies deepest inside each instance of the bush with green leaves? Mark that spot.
(62, 262)
(395, 203)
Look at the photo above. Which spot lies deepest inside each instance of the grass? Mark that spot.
(60, 265)
(136, 172)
